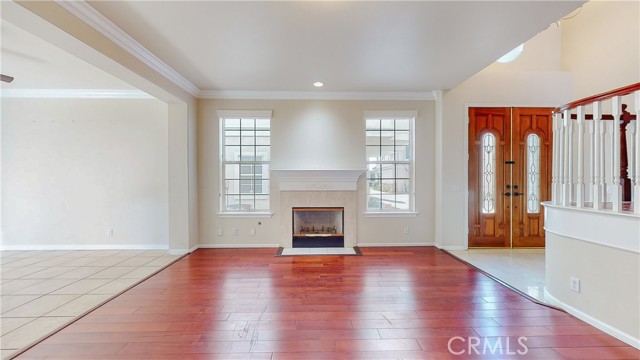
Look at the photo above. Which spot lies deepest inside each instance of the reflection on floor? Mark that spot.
(521, 268)
(390, 303)
(44, 290)
(318, 251)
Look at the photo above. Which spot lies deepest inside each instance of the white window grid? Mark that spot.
(245, 159)
(390, 164)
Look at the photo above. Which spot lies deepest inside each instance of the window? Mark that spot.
(245, 148)
(390, 159)
(488, 178)
(533, 174)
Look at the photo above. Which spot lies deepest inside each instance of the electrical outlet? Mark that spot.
(252, 231)
(405, 230)
(110, 232)
(574, 284)
(234, 231)
(219, 232)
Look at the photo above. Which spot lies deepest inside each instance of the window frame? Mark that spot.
(224, 115)
(411, 162)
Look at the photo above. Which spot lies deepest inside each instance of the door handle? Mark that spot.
(517, 194)
(507, 194)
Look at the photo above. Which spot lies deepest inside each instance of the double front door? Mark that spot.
(509, 175)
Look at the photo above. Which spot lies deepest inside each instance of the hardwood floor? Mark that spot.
(391, 303)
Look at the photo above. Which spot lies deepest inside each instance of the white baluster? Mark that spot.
(560, 181)
(631, 133)
(566, 154)
(616, 186)
(592, 159)
(580, 180)
(554, 160)
(597, 157)
(631, 152)
(636, 156)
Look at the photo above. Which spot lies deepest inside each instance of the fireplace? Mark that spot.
(317, 227)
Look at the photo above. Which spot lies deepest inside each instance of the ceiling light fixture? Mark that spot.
(318, 84)
(512, 55)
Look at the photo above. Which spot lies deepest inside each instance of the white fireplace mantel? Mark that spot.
(317, 180)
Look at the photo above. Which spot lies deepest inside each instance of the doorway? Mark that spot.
(509, 175)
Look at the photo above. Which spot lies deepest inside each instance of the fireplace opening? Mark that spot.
(318, 227)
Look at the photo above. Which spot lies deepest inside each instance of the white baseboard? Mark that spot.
(451, 248)
(620, 335)
(183, 251)
(86, 247)
(231, 246)
(393, 244)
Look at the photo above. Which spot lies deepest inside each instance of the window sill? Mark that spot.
(261, 215)
(391, 214)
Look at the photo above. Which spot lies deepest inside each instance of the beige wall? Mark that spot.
(49, 21)
(73, 168)
(309, 134)
(609, 291)
(601, 46)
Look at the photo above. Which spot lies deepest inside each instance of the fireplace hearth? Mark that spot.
(317, 227)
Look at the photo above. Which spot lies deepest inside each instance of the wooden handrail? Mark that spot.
(599, 97)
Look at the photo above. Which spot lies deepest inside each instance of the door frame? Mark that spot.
(465, 142)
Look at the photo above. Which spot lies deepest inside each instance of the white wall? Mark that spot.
(609, 284)
(533, 79)
(601, 46)
(315, 135)
(73, 168)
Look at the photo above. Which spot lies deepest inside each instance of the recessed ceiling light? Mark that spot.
(318, 84)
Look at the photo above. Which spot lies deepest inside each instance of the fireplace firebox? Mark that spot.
(318, 227)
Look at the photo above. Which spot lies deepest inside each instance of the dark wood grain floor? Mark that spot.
(391, 303)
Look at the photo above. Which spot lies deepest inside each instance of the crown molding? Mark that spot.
(74, 94)
(99, 22)
(313, 95)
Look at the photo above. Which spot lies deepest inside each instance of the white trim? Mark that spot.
(100, 23)
(391, 114)
(605, 228)
(317, 179)
(248, 214)
(239, 246)
(394, 244)
(183, 251)
(618, 334)
(390, 214)
(86, 247)
(75, 94)
(261, 114)
(312, 95)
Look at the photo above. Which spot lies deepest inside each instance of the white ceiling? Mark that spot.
(36, 64)
(352, 46)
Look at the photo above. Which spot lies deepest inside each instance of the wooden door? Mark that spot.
(489, 148)
(531, 139)
(509, 175)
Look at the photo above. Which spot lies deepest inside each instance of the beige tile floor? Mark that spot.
(41, 291)
(524, 269)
